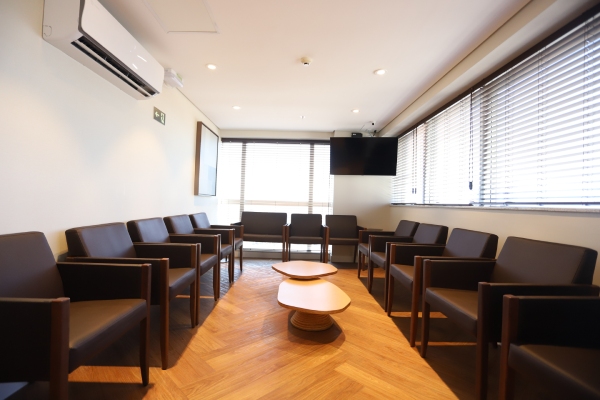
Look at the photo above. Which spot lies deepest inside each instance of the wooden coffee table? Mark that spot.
(304, 269)
(313, 298)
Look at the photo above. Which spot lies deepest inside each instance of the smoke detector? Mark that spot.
(306, 61)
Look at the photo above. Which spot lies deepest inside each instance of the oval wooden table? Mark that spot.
(313, 298)
(304, 269)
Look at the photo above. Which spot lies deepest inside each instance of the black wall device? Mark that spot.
(356, 134)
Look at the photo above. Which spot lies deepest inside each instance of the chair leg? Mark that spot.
(390, 295)
(424, 327)
(144, 348)
(370, 275)
(481, 368)
(231, 260)
(355, 253)
(241, 257)
(217, 280)
(414, 316)
(385, 286)
(59, 349)
(164, 333)
(193, 295)
(507, 382)
(360, 262)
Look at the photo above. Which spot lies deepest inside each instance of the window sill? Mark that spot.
(580, 210)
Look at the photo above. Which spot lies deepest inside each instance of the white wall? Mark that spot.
(75, 150)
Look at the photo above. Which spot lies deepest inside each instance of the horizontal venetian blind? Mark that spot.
(539, 124)
(273, 176)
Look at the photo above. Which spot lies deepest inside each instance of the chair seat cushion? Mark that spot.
(363, 248)
(403, 274)
(93, 325)
(239, 242)
(378, 258)
(253, 237)
(180, 278)
(458, 305)
(570, 371)
(344, 241)
(305, 240)
(207, 261)
(226, 250)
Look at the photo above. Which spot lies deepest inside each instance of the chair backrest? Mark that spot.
(180, 224)
(28, 268)
(263, 223)
(307, 225)
(342, 226)
(431, 234)
(406, 228)
(199, 220)
(466, 243)
(106, 240)
(149, 230)
(533, 261)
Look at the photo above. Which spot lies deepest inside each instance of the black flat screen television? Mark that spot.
(363, 156)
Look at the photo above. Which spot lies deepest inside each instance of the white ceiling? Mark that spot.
(259, 44)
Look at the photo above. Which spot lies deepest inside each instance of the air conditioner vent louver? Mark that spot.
(100, 56)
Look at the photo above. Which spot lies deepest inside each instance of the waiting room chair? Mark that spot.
(308, 229)
(181, 225)
(173, 266)
(406, 264)
(378, 249)
(265, 227)
(553, 342)
(57, 316)
(470, 292)
(343, 231)
(200, 221)
(404, 229)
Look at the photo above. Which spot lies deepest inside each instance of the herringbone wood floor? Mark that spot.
(245, 348)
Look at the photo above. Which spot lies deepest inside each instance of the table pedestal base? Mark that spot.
(311, 322)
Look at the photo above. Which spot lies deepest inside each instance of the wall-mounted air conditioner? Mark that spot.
(86, 31)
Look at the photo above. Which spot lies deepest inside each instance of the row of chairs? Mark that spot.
(58, 315)
(549, 336)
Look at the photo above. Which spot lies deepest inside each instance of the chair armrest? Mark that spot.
(34, 336)
(239, 229)
(209, 244)
(180, 255)
(95, 281)
(405, 253)
(227, 235)
(377, 242)
(325, 232)
(464, 275)
(555, 320)
(363, 235)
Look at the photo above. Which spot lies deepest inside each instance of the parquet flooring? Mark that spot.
(246, 348)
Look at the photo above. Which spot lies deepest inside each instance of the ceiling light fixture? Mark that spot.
(211, 66)
(306, 61)
(355, 111)
(379, 72)
(236, 107)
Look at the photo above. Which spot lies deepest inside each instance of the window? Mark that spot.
(273, 176)
(529, 136)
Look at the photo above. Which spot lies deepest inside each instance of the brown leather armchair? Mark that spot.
(173, 266)
(57, 316)
(181, 225)
(406, 263)
(308, 229)
(200, 221)
(404, 230)
(265, 227)
(470, 292)
(554, 342)
(378, 249)
(343, 231)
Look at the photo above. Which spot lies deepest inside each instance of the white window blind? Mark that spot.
(273, 176)
(539, 125)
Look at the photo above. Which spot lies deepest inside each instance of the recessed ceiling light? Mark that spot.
(211, 66)
(236, 107)
(379, 72)
(355, 111)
